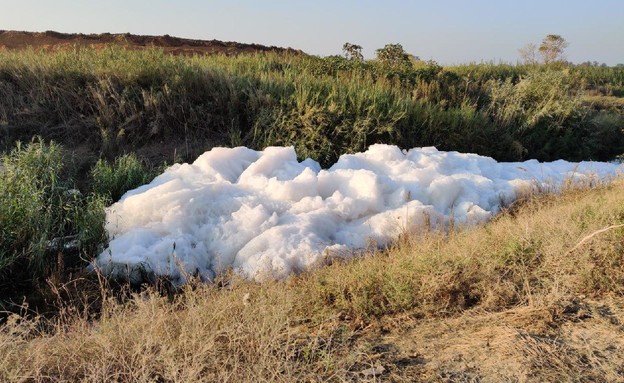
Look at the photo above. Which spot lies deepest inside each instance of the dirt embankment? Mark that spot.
(175, 45)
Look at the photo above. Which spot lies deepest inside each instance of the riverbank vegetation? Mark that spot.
(170, 107)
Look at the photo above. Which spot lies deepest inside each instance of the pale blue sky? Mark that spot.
(448, 31)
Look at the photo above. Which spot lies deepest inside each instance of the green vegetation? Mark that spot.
(48, 228)
(116, 101)
(126, 173)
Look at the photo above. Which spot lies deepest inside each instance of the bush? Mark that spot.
(47, 227)
(45, 224)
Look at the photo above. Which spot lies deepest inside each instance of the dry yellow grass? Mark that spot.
(601, 102)
(536, 295)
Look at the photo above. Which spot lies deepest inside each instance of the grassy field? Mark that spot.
(535, 295)
(113, 101)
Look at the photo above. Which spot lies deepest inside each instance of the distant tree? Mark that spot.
(393, 55)
(591, 63)
(552, 48)
(353, 52)
(413, 58)
(528, 54)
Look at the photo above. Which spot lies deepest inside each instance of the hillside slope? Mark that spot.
(50, 40)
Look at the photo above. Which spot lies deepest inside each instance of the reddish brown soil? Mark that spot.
(174, 45)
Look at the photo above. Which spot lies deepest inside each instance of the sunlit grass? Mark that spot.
(118, 100)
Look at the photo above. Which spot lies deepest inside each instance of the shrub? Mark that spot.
(47, 227)
(45, 224)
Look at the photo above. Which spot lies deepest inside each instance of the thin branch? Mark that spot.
(595, 233)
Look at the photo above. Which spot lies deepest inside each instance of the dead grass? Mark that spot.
(515, 300)
(600, 102)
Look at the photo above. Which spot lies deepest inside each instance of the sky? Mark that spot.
(447, 31)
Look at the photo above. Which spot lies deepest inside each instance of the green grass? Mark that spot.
(126, 173)
(115, 101)
(48, 228)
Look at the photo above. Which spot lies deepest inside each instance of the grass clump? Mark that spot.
(125, 173)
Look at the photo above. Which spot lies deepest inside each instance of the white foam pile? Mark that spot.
(266, 215)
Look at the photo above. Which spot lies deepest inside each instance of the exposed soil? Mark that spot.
(174, 45)
(574, 340)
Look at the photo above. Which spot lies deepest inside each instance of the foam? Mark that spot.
(266, 215)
